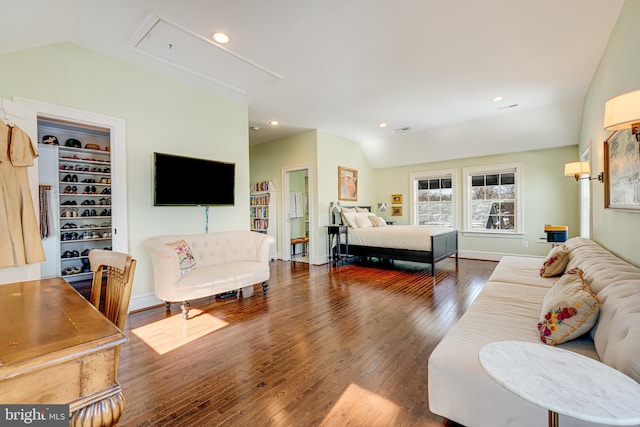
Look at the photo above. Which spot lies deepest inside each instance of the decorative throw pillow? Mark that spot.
(348, 218)
(377, 221)
(556, 261)
(362, 221)
(186, 261)
(569, 309)
(362, 210)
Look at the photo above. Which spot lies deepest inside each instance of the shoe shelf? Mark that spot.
(84, 178)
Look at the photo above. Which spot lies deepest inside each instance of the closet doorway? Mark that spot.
(296, 228)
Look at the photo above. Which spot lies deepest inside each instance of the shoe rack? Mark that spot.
(81, 206)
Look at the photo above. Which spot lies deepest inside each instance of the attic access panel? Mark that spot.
(201, 57)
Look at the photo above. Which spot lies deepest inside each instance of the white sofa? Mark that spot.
(508, 308)
(224, 261)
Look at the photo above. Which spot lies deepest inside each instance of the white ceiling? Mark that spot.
(343, 66)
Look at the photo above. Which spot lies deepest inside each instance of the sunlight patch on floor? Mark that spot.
(173, 332)
(359, 406)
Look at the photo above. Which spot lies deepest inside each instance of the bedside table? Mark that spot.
(333, 241)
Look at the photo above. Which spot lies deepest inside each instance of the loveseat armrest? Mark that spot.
(166, 271)
(264, 246)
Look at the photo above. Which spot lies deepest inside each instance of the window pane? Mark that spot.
(507, 178)
(492, 192)
(423, 185)
(508, 192)
(446, 183)
(477, 180)
(492, 179)
(446, 194)
(434, 195)
(477, 193)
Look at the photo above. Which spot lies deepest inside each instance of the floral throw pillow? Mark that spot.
(556, 261)
(377, 221)
(569, 309)
(186, 261)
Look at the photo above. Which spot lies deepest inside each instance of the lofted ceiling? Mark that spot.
(427, 68)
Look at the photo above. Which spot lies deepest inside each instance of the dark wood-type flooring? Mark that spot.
(328, 346)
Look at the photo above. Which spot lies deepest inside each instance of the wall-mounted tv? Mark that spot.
(188, 181)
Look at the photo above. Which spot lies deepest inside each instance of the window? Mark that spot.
(433, 198)
(493, 196)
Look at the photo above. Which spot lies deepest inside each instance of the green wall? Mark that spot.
(549, 198)
(161, 114)
(617, 73)
(323, 153)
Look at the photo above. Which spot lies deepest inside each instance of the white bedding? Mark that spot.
(414, 237)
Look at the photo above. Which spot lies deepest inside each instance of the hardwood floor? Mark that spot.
(328, 346)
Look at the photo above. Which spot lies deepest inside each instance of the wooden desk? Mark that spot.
(55, 347)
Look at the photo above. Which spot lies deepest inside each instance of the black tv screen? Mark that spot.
(187, 181)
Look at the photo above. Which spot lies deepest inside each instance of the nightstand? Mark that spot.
(333, 241)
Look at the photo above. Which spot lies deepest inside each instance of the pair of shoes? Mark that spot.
(105, 212)
(69, 203)
(70, 178)
(82, 168)
(71, 270)
(69, 225)
(71, 190)
(85, 253)
(106, 235)
(105, 201)
(104, 180)
(89, 181)
(70, 254)
(69, 213)
(69, 236)
(106, 191)
(90, 190)
(89, 213)
(89, 202)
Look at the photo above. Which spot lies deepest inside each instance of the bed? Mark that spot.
(425, 244)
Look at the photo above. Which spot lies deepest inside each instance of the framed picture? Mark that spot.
(347, 183)
(396, 210)
(396, 199)
(622, 171)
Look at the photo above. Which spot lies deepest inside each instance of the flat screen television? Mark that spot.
(188, 181)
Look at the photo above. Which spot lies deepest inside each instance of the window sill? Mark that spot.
(494, 234)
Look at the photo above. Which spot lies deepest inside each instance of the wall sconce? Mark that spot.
(575, 169)
(623, 112)
(382, 207)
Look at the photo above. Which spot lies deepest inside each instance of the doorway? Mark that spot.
(296, 203)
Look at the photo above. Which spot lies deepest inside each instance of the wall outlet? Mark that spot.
(525, 243)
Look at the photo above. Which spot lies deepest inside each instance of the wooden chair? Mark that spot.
(119, 268)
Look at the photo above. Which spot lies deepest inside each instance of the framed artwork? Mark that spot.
(396, 199)
(347, 183)
(622, 171)
(396, 210)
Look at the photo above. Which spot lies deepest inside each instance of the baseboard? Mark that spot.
(488, 256)
(141, 302)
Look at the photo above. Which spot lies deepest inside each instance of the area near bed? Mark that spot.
(369, 236)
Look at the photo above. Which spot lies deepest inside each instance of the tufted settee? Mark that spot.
(509, 308)
(220, 262)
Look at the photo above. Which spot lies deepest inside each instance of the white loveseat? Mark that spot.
(508, 308)
(224, 261)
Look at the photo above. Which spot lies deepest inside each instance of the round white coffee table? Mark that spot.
(563, 382)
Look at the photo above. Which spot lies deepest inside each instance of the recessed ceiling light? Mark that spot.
(497, 98)
(382, 125)
(220, 38)
(255, 128)
(274, 123)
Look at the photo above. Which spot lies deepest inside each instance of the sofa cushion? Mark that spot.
(186, 261)
(556, 261)
(569, 309)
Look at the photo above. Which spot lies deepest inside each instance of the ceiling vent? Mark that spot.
(507, 107)
(403, 130)
(199, 56)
